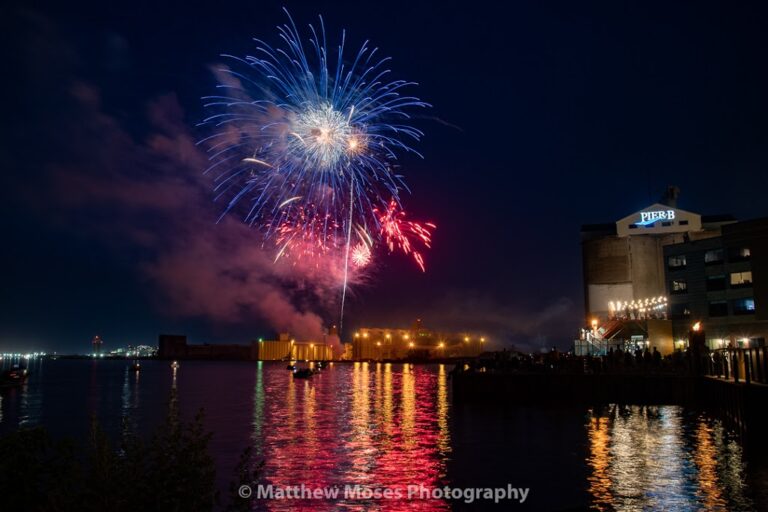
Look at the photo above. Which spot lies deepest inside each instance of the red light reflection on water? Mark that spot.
(379, 426)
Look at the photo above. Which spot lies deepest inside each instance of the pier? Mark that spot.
(729, 384)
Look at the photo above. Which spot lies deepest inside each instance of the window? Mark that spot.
(680, 311)
(633, 226)
(739, 253)
(713, 257)
(715, 283)
(676, 262)
(718, 308)
(741, 279)
(743, 306)
(666, 224)
(678, 286)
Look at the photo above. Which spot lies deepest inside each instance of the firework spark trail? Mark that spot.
(304, 146)
(346, 263)
(398, 232)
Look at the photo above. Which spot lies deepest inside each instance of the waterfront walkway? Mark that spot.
(729, 383)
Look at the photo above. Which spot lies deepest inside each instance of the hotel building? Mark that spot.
(721, 282)
(626, 291)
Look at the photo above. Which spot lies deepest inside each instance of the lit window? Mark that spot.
(714, 256)
(678, 261)
(679, 286)
(739, 253)
(741, 279)
(743, 306)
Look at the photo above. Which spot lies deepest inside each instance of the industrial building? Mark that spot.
(626, 297)
(282, 349)
(286, 348)
(416, 342)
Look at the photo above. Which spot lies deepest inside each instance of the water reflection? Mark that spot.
(258, 408)
(24, 403)
(391, 425)
(372, 425)
(654, 458)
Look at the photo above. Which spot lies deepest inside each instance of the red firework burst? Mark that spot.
(400, 233)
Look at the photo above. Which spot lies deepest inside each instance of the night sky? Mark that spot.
(547, 115)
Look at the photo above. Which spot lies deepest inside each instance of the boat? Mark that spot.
(303, 373)
(135, 366)
(175, 365)
(14, 376)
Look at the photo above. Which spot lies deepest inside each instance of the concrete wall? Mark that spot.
(646, 266)
(660, 336)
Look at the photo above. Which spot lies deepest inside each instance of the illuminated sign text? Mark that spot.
(648, 218)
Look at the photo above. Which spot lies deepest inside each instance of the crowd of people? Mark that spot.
(615, 361)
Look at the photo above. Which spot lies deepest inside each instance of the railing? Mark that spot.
(745, 365)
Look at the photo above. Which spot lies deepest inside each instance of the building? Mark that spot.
(284, 348)
(131, 351)
(417, 342)
(171, 346)
(96, 345)
(721, 282)
(625, 287)
(347, 351)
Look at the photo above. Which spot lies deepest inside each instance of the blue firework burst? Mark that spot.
(306, 143)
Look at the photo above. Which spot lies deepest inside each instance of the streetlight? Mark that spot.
(466, 339)
(482, 340)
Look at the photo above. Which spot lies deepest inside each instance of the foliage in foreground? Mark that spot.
(172, 472)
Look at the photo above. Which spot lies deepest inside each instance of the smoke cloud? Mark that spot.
(149, 195)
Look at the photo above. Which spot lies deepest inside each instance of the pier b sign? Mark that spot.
(657, 219)
(652, 217)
